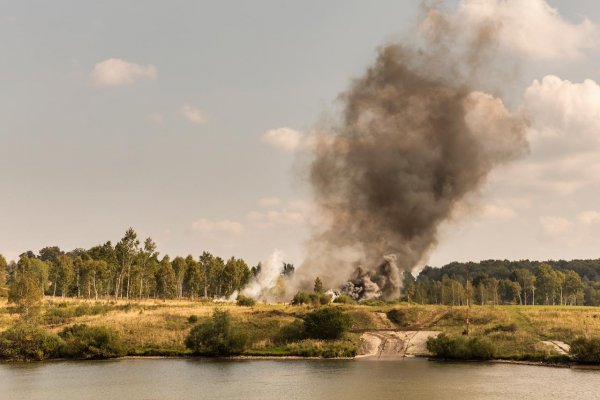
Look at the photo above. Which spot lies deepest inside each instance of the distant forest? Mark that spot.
(127, 270)
(134, 270)
(526, 282)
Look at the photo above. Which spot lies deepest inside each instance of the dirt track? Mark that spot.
(394, 345)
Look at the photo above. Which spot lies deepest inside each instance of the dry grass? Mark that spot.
(153, 326)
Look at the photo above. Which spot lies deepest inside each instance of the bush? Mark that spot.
(192, 319)
(245, 301)
(301, 298)
(315, 348)
(373, 302)
(26, 341)
(326, 323)
(216, 337)
(311, 298)
(291, 332)
(90, 342)
(586, 350)
(344, 299)
(509, 328)
(461, 347)
(403, 317)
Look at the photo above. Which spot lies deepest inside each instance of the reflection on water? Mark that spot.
(413, 379)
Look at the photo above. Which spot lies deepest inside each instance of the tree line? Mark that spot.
(127, 270)
(523, 282)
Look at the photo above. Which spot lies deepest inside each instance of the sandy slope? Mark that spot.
(394, 345)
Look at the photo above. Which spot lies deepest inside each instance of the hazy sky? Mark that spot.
(186, 120)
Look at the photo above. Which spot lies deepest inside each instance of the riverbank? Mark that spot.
(152, 328)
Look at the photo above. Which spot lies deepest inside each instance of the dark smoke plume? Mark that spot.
(415, 138)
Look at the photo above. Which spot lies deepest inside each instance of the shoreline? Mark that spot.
(359, 358)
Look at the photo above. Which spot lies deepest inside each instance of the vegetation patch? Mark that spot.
(326, 323)
(25, 341)
(586, 350)
(461, 348)
(90, 342)
(216, 337)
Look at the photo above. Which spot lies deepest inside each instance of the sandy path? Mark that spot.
(394, 345)
(558, 346)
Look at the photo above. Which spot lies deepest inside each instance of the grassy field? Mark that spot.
(160, 327)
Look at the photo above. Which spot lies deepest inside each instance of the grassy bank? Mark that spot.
(157, 328)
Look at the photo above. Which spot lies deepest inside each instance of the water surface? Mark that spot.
(414, 379)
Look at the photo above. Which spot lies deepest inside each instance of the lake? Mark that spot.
(414, 379)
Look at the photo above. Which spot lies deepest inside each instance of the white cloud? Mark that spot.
(588, 218)
(157, 118)
(192, 114)
(221, 226)
(530, 27)
(565, 115)
(564, 137)
(497, 212)
(293, 213)
(269, 202)
(555, 226)
(286, 139)
(117, 72)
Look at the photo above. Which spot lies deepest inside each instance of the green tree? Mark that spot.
(179, 268)
(147, 259)
(63, 274)
(573, 287)
(166, 284)
(3, 274)
(408, 285)
(547, 283)
(28, 283)
(318, 286)
(125, 251)
(216, 336)
(193, 277)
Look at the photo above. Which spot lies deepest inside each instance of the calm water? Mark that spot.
(291, 379)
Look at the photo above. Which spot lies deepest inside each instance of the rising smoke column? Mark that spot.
(415, 138)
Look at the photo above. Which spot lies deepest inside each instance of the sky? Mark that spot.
(188, 121)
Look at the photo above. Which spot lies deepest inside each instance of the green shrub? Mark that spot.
(192, 319)
(372, 302)
(25, 341)
(291, 332)
(311, 298)
(326, 323)
(324, 299)
(216, 336)
(330, 349)
(402, 317)
(510, 328)
(245, 301)
(90, 342)
(301, 298)
(344, 299)
(586, 350)
(461, 347)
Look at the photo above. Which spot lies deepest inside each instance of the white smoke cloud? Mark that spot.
(267, 202)
(117, 72)
(267, 278)
(223, 226)
(286, 139)
(530, 27)
(192, 114)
